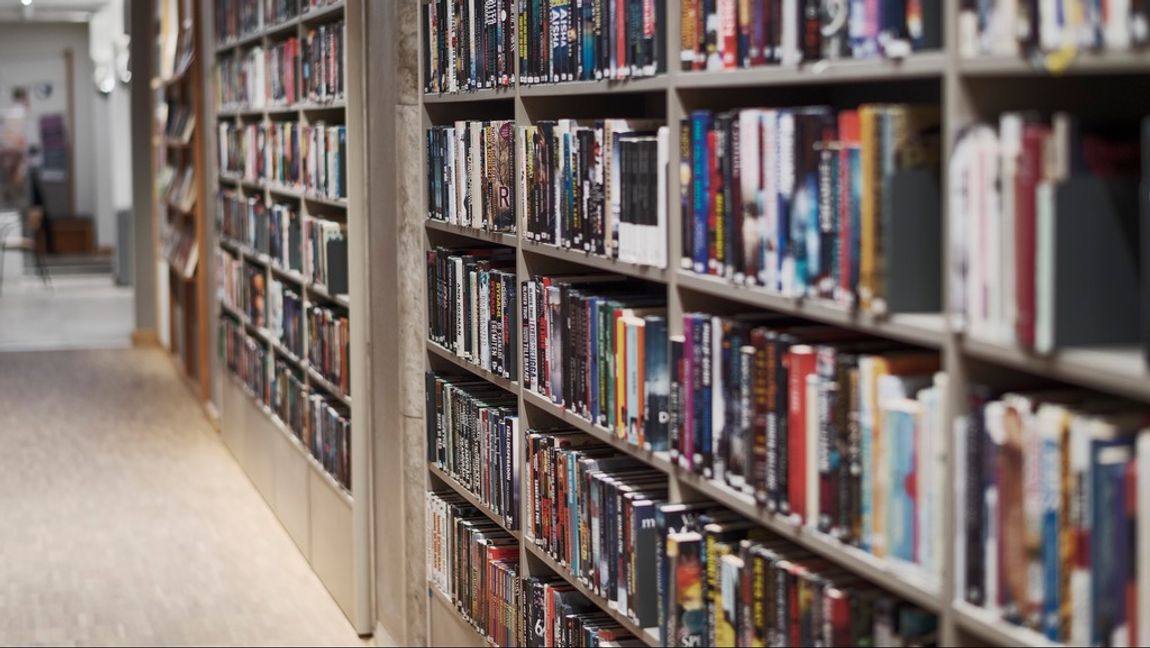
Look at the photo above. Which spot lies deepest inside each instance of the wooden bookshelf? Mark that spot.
(943, 75)
(328, 522)
(185, 299)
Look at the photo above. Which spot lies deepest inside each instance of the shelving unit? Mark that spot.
(953, 82)
(184, 302)
(329, 523)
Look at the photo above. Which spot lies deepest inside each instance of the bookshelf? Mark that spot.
(325, 510)
(968, 90)
(179, 192)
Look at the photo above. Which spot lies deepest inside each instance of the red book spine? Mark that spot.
(1026, 182)
(800, 362)
(729, 32)
(621, 67)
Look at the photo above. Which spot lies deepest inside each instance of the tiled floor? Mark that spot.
(77, 312)
(124, 520)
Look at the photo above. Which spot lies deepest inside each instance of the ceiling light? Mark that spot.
(26, 3)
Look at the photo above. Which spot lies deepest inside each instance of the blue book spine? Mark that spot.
(1107, 468)
(900, 522)
(855, 213)
(1051, 462)
(1110, 557)
(572, 543)
(656, 416)
(701, 177)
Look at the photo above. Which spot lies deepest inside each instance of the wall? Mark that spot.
(37, 41)
(110, 118)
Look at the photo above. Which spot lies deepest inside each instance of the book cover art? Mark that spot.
(688, 622)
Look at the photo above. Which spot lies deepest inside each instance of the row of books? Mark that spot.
(475, 564)
(289, 397)
(702, 575)
(554, 613)
(286, 153)
(236, 19)
(241, 79)
(285, 237)
(820, 426)
(328, 341)
(471, 174)
(468, 45)
(596, 345)
(1055, 513)
(242, 287)
(289, 71)
(599, 187)
(328, 437)
(473, 436)
(1011, 28)
(325, 160)
(323, 63)
(243, 220)
(283, 82)
(285, 316)
(325, 252)
(178, 187)
(809, 203)
(322, 426)
(181, 249)
(584, 40)
(472, 306)
(280, 11)
(180, 124)
(833, 432)
(730, 34)
(245, 357)
(1044, 232)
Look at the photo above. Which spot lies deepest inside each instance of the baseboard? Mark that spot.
(145, 339)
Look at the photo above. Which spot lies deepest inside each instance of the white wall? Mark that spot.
(111, 116)
(29, 44)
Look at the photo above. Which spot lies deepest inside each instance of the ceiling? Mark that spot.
(49, 10)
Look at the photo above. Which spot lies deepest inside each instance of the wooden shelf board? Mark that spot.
(474, 369)
(989, 627)
(499, 94)
(1107, 62)
(333, 391)
(637, 271)
(583, 88)
(282, 28)
(320, 290)
(455, 486)
(499, 238)
(925, 65)
(316, 15)
(926, 329)
(1121, 369)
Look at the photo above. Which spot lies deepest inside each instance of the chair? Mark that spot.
(29, 244)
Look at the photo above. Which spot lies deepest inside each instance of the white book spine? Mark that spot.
(1010, 130)
(812, 440)
(657, 245)
(1044, 272)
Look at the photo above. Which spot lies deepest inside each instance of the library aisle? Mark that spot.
(126, 520)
